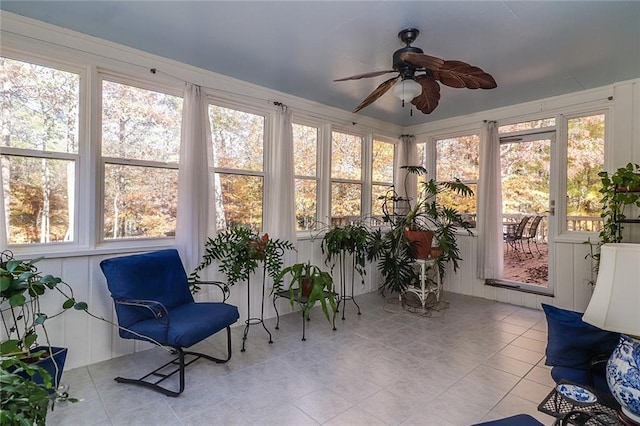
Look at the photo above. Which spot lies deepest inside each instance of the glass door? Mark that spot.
(527, 209)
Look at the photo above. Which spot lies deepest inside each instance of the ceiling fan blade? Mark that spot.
(427, 101)
(420, 60)
(459, 74)
(365, 75)
(380, 90)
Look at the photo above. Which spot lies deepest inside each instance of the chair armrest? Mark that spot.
(157, 309)
(224, 288)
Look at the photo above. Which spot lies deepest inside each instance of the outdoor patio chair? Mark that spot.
(531, 234)
(513, 238)
(153, 303)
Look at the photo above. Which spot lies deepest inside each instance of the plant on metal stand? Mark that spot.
(239, 251)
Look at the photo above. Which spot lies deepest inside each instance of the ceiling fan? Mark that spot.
(419, 74)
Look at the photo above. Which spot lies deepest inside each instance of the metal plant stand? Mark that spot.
(297, 297)
(254, 321)
(343, 285)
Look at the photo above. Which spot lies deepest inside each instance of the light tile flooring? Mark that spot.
(475, 361)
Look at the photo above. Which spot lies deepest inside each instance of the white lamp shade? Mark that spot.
(615, 302)
(407, 89)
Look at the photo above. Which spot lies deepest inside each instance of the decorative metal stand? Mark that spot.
(343, 285)
(297, 297)
(254, 321)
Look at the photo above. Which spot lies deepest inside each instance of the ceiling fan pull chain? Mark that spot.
(403, 103)
(410, 112)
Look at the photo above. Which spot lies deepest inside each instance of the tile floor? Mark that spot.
(477, 360)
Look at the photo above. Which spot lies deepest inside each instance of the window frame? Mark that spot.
(80, 159)
(318, 176)
(431, 152)
(118, 78)
(267, 116)
(371, 183)
(561, 207)
(365, 140)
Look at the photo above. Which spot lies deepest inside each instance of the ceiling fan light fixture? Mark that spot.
(407, 89)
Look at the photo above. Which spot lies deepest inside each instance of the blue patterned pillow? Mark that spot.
(572, 342)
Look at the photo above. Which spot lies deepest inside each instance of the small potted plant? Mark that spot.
(312, 284)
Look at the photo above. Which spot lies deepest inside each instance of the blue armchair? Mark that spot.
(153, 302)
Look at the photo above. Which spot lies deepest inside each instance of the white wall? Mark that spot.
(91, 341)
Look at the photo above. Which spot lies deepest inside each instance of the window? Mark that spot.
(585, 159)
(459, 158)
(381, 174)
(346, 177)
(39, 151)
(527, 125)
(238, 144)
(140, 150)
(305, 150)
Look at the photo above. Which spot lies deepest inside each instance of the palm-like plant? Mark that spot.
(394, 252)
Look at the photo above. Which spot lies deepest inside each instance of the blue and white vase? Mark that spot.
(623, 376)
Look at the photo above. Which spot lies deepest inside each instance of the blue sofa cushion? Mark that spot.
(572, 342)
(517, 420)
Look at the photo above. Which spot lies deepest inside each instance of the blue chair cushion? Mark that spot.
(157, 276)
(572, 342)
(517, 420)
(188, 324)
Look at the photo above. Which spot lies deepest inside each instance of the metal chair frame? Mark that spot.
(531, 234)
(513, 239)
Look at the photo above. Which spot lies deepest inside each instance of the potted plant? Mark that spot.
(311, 283)
(395, 251)
(28, 365)
(342, 241)
(26, 401)
(239, 250)
(620, 190)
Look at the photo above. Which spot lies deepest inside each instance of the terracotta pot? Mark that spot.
(421, 242)
(306, 286)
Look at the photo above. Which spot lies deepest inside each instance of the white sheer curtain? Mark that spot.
(195, 221)
(489, 220)
(279, 205)
(406, 156)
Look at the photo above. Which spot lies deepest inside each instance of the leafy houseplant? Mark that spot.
(21, 286)
(312, 283)
(395, 252)
(340, 242)
(239, 251)
(620, 190)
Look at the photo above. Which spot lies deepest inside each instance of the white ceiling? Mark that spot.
(533, 49)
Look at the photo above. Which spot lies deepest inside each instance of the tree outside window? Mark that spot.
(238, 144)
(346, 178)
(140, 150)
(305, 149)
(381, 174)
(585, 159)
(459, 157)
(38, 151)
